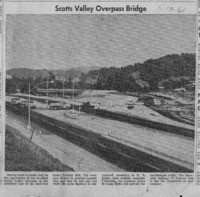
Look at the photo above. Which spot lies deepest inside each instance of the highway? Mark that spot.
(130, 147)
(140, 115)
(164, 145)
(66, 152)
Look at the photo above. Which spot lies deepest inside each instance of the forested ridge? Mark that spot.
(170, 71)
(142, 76)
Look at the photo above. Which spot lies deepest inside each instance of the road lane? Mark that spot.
(168, 146)
(66, 152)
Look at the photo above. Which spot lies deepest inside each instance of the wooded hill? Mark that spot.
(143, 76)
(170, 71)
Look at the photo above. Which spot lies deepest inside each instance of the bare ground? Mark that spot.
(23, 155)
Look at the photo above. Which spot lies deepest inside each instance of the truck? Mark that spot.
(15, 101)
(26, 104)
(56, 106)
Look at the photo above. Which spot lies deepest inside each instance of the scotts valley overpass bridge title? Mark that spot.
(99, 8)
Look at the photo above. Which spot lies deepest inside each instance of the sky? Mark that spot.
(68, 41)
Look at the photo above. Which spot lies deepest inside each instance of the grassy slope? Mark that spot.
(23, 155)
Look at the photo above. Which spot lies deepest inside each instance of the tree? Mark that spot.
(10, 86)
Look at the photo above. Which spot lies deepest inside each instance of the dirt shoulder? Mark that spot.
(23, 155)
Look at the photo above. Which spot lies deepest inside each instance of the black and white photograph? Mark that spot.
(100, 93)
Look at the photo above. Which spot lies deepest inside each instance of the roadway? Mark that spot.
(170, 147)
(140, 111)
(66, 152)
(165, 146)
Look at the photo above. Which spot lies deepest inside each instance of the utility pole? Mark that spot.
(73, 91)
(63, 88)
(73, 96)
(29, 106)
(47, 92)
(29, 100)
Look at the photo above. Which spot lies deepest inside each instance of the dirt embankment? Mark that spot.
(23, 155)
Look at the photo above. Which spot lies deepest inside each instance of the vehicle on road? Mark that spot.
(130, 107)
(56, 106)
(26, 104)
(15, 101)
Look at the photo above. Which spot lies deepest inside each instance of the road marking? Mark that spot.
(90, 139)
(153, 166)
(124, 154)
(102, 145)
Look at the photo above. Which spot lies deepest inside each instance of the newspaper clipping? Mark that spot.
(99, 99)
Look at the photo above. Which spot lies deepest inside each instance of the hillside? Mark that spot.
(145, 76)
(24, 155)
(32, 73)
(167, 72)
